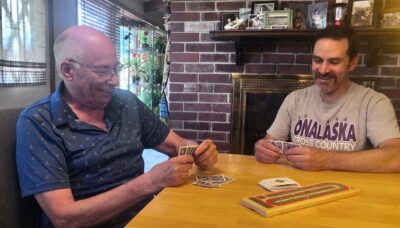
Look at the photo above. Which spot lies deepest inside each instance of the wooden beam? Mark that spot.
(153, 5)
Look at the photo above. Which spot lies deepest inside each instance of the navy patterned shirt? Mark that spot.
(55, 150)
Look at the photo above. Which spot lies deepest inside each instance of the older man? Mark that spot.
(340, 125)
(79, 150)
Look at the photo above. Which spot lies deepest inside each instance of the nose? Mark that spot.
(323, 68)
(113, 79)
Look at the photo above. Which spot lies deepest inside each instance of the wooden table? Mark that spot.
(378, 204)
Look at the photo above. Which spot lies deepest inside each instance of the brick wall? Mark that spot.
(200, 83)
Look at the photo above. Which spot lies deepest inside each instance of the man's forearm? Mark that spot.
(97, 209)
(385, 159)
(172, 143)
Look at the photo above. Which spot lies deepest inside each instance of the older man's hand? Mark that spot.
(206, 154)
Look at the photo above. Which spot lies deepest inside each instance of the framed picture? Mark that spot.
(228, 17)
(362, 13)
(317, 15)
(390, 20)
(278, 19)
(256, 21)
(261, 7)
(390, 16)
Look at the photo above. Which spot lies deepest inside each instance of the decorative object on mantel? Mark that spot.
(390, 14)
(261, 7)
(229, 20)
(318, 15)
(278, 19)
(340, 12)
(362, 13)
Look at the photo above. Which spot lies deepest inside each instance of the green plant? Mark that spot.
(145, 74)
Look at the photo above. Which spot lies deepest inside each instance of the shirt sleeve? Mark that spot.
(381, 120)
(41, 164)
(154, 132)
(280, 128)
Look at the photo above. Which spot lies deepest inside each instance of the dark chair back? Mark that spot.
(16, 212)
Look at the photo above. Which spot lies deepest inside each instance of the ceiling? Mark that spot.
(149, 10)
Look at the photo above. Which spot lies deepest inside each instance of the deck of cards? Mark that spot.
(212, 181)
(283, 145)
(187, 150)
(278, 184)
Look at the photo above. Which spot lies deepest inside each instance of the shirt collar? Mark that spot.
(61, 114)
(58, 106)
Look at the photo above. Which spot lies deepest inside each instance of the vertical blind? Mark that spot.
(103, 16)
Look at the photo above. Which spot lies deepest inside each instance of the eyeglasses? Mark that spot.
(102, 71)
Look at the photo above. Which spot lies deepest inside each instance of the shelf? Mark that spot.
(372, 35)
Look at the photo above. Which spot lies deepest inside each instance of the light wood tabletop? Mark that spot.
(377, 205)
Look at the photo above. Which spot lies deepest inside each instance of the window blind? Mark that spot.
(104, 16)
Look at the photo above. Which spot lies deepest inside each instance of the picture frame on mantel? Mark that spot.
(228, 17)
(390, 14)
(362, 13)
(262, 6)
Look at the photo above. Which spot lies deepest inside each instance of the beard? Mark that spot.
(326, 82)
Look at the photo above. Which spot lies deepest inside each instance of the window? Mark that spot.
(23, 43)
(138, 47)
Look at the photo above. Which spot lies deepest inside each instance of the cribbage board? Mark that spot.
(275, 203)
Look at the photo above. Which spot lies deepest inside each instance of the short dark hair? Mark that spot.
(338, 33)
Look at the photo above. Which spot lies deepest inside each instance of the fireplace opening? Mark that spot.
(261, 110)
(256, 99)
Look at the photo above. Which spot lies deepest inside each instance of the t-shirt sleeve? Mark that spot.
(154, 132)
(280, 128)
(381, 120)
(41, 163)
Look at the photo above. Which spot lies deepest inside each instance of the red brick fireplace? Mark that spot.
(200, 90)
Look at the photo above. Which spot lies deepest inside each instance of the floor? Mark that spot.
(152, 158)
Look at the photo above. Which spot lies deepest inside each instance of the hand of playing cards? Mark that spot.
(187, 150)
(284, 146)
(278, 184)
(212, 181)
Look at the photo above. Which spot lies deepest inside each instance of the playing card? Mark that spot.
(212, 180)
(291, 145)
(182, 151)
(284, 146)
(187, 150)
(191, 149)
(278, 184)
(206, 184)
(228, 179)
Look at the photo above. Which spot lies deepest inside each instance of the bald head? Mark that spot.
(80, 43)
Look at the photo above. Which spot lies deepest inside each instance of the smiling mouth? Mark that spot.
(325, 77)
(108, 91)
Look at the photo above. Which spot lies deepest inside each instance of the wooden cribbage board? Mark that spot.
(275, 203)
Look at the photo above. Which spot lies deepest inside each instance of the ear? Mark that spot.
(354, 62)
(66, 69)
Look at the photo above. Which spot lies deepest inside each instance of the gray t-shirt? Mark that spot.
(361, 119)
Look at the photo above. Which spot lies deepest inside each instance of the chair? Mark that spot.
(16, 212)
